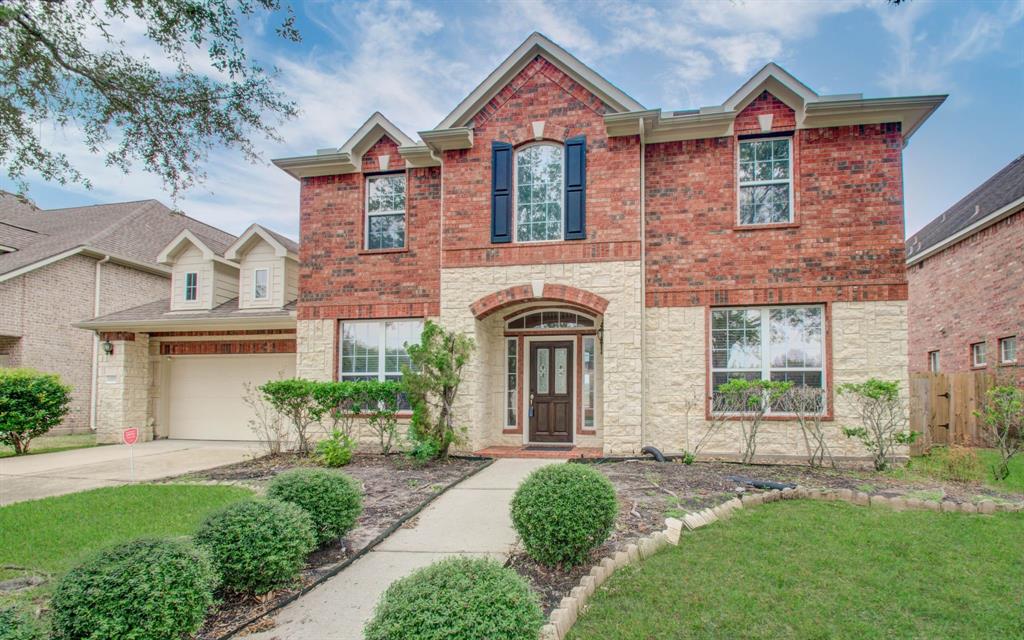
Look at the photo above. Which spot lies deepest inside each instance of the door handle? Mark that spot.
(531, 398)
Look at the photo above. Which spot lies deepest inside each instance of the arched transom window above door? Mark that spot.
(551, 319)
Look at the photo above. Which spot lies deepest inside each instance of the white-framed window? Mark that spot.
(1008, 350)
(385, 211)
(765, 178)
(589, 381)
(511, 380)
(191, 286)
(768, 343)
(540, 194)
(550, 319)
(260, 284)
(933, 361)
(978, 355)
(375, 349)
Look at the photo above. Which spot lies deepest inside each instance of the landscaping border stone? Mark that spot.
(572, 606)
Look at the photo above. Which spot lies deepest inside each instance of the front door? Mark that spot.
(551, 392)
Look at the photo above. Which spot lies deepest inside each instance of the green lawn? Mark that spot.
(50, 536)
(931, 467)
(49, 444)
(823, 570)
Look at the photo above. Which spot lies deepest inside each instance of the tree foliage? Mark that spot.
(164, 103)
(31, 403)
(882, 414)
(1003, 417)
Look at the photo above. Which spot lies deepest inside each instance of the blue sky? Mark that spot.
(415, 61)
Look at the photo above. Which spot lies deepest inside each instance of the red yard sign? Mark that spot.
(130, 436)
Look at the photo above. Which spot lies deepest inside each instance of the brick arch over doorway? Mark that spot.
(556, 293)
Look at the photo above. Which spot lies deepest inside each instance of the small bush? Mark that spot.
(31, 403)
(958, 463)
(14, 626)
(457, 598)
(332, 500)
(147, 588)
(562, 511)
(257, 545)
(337, 450)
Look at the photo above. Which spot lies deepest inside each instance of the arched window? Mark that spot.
(551, 319)
(540, 172)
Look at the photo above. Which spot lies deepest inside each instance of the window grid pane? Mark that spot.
(1008, 349)
(539, 193)
(260, 284)
(511, 372)
(589, 381)
(385, 212)
(764, 178)
(191, 286)
(978, 354)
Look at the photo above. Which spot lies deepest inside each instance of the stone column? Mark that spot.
(122, 395)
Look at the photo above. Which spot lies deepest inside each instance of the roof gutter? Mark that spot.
(989, 220)
(272, 322)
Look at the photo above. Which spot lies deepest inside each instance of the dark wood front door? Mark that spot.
(551, 391)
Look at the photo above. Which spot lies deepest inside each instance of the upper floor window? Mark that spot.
(191, 286)
(1008, 350)
(385, 211)
(765, 181)
(978, 357)
(933, 361)
(260, 284)
(540, 194)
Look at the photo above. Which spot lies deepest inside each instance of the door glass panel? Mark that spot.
(542, 371)
(561, 369)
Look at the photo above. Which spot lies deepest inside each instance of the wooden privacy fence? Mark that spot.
(942, 407)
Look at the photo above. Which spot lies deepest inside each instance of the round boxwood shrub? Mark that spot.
(562, 511)
(331, 499)
(15, 626)
(257, 545)
(457, 598)
(146, 588)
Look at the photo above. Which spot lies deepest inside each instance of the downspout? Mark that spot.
(643, 286)
(94, 386)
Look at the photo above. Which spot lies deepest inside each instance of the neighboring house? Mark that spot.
(966, 274)
(613, 263)
(179, 365)
(58, 266)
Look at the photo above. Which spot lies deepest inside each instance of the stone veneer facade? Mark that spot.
(122, 393)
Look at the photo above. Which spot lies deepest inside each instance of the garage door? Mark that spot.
(205, 393)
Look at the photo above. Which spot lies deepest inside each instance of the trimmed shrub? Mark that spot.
(562, 511)
(336, 450)
(14, 626)
(31, 403)
(257, 545)
(146, 588)
(457, 598)
(332, 500)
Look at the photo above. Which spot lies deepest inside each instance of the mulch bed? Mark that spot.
(649, 492)
(393, 486)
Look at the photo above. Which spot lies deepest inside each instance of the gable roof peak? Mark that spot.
(283, 246)
(538, 44)
(376, 126)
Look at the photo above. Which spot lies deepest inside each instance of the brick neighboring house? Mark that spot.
(966, 274)
(613, 263)
(61, 265)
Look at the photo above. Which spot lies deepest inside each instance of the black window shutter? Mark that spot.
(501, 192)
(576, 188)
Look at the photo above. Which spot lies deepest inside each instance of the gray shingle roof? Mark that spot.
(161, 311)
(132, 230)
(1004, 187)
(289, 244)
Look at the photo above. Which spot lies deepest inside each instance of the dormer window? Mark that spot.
(539, 192)
(765, 181)
(260, 284)
(191, 286)
(385, 211)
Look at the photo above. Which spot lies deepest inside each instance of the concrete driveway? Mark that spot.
(53, 474)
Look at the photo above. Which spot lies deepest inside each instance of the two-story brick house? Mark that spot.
(613, 261)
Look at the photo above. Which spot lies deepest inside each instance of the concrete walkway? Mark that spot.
(470, 519)
(53, 474)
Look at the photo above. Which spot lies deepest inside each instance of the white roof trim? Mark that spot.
(169, 252)
(91, 252)
(280, 251)
(370, 132)
(170, 324)
(781, 83)
(989, 220)
(537, 44)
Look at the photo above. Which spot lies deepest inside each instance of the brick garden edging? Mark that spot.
(564, 617)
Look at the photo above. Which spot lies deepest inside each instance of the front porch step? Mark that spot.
(556, 454)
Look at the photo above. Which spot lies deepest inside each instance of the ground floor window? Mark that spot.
(768, 343)
(375, 349)
(511, 379)
(589, 381)
(933, 361)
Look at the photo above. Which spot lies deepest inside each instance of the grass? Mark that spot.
(50, 444)
(931, 466)
(49, 536)
(823, 570)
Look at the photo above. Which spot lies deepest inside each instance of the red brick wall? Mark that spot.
(970, 292)
(338, 278)
(542, 92)
(845, 244)
(784, 118)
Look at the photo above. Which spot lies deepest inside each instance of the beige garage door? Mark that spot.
(205, 393)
